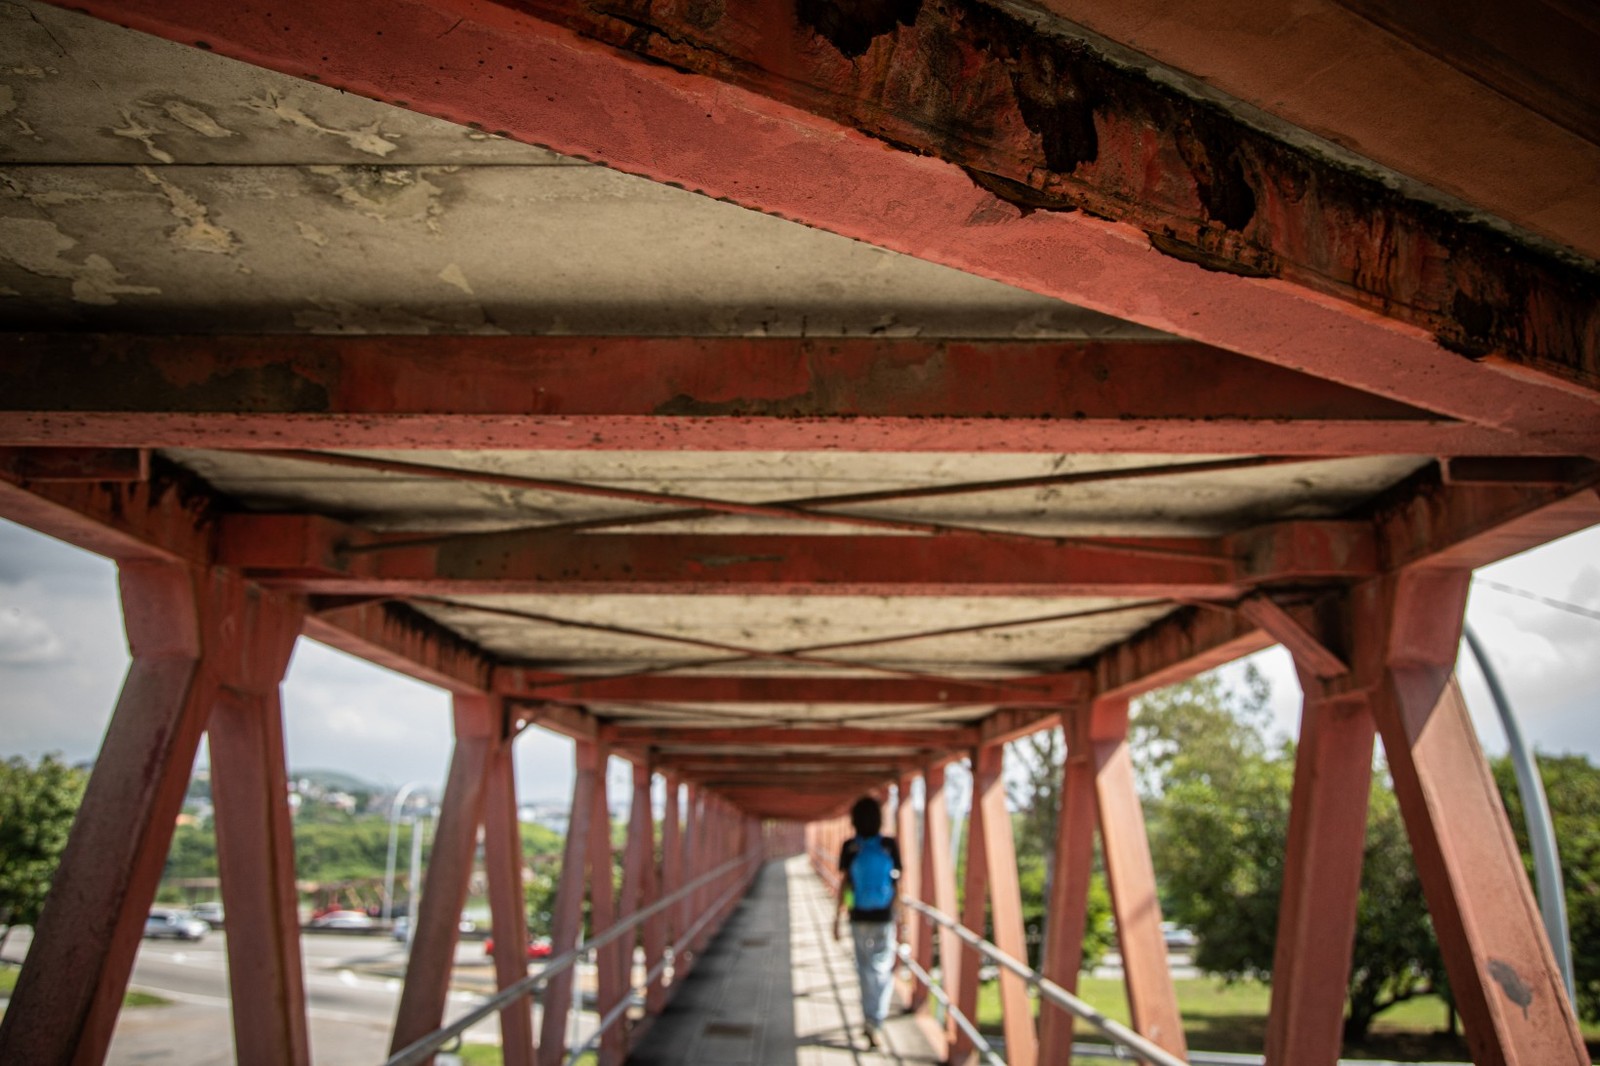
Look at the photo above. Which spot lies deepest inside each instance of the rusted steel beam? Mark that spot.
(37, 465)
(1314, 657)
(1015, 149)
(165, 519)
(312, 554)
(781, 762)
(1006, 725)
(394, 636)
(798, 738)
(1469, 526)
(1183, 644)
(696, 393)
(699, 689)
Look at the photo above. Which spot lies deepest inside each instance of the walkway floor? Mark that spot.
(775, 989)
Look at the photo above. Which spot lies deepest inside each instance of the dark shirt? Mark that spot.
(847, 854)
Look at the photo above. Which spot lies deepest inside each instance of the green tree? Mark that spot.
(1572, 787)
(37, 805)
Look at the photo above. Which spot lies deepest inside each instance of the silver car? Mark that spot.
(174, 925)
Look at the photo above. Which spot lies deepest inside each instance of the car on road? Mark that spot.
(342, 920)
(174, 925)
(402, 926)
(538, 947)
(1178, 938)
(209, 912)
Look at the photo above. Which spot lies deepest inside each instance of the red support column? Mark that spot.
(255, 838)
(669, 921)
(1005, 901)
(690, 868)
(508, 908)
(67, 997)
(1152, 1001)
(650, 882)
(975, 895)
(1321, 876)
(479, 727)
(910, 878)
(567, 922)
(939, 886)
(1069, 883)
(1503, 974)
(611, 985)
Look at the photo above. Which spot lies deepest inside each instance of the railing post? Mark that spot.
(567, 921)
(638, 874)
(478, 727)
(1326, 839)
(1005, 901)
(508, 908)
(67, 997)
(939, 887)
(1503, 974)
(975, 895)
(1069, 882)
(910, 875)
(255, 838)
(669, 920)
(1130, 876)
(611, 980)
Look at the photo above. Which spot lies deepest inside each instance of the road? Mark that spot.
(352, 993)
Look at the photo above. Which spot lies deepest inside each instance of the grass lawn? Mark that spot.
(1222, 1017)
(8, 981)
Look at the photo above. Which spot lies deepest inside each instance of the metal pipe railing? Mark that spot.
(424, 1048)
(1052, 992)
(985, 1049)
(616, 1012)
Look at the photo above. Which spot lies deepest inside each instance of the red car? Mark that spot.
(538, 947)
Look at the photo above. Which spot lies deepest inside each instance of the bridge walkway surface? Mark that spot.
(775, 989)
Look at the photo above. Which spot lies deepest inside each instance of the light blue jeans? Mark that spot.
(875, 966)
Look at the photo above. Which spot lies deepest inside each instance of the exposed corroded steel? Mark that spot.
(36, 465)
(162, 518)
(1047, 121)
(399, 638)
(1177, 647)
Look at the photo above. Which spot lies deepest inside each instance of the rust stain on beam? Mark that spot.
(1048, 121)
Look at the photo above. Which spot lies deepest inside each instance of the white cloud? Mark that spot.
(27, 640)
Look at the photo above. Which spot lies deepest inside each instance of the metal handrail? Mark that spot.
(1054, 993)
(985, 1049)
(423, 1048)
(615, 1013)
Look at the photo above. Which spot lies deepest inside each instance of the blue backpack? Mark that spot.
(872, 875)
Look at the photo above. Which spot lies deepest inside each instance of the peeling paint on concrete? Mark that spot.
(25, 129)
(197, 232)
(311, 234)
(387, 194)
(195, 119)
(452, 275)
(370, 138)
(36, 245)
(134, 130)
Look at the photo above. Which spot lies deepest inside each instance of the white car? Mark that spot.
(174, 925)
(342, 920)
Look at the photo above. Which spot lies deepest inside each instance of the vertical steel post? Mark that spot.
(508, 907)
(1069, 882)
(1503, 973)
(255, 837)
(478, 728)
(67, 997)
(566, 924)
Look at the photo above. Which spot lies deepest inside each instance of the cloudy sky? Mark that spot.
(62, 657)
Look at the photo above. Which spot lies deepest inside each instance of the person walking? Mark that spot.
(870, 865)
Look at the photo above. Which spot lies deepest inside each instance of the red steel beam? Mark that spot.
(150, 520)
(796, 738)
(1016, 151)
(1030, 691)
(697, 394)
(312, 554)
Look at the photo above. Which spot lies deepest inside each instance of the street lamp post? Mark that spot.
(394, 828)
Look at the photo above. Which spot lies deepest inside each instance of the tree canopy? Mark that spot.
(37, 805)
